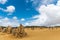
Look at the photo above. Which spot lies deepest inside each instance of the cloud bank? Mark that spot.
(9, 22)
(49, 15)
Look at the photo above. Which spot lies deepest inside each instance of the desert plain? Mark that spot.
(36, 34)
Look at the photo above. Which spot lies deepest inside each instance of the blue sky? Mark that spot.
(23, 11)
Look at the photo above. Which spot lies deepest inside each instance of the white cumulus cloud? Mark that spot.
(14, 17)
(3, 1)
(49, 15)
(37, 3)
(22, 19)
(9, 10)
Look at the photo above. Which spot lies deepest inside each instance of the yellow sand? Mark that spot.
(37, 34)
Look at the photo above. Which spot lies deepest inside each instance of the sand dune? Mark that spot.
(36, 34)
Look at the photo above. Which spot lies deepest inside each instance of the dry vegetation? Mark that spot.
(31, 33)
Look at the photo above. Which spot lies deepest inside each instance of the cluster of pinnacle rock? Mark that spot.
(17, 32)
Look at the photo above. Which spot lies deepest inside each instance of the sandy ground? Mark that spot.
(37, 34)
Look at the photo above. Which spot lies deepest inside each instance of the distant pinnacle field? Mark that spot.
(36, 34)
